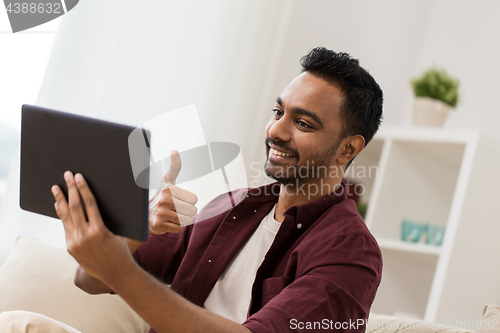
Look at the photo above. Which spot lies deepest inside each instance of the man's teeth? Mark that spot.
(275, 152)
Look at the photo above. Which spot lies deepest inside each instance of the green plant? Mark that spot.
(436, 83)
(362, 208)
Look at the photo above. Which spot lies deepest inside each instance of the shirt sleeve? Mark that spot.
(334, 292)
(161, 255)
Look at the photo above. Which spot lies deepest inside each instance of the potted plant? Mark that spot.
(436, 93)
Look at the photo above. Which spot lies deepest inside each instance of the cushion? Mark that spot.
(25, 321)
(39, 278)
(491, 319)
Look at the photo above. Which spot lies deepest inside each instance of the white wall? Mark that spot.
(397, 40)
(385, 35)
(464, 37)
(123, 61)
(128, 62)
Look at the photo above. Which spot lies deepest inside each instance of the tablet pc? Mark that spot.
(53, 142)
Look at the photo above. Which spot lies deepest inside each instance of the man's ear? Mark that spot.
(349, 148)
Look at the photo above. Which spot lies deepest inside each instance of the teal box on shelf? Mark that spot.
(416, 232)
(411, 231)
(435, 234)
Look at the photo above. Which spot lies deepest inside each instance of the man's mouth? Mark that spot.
(280, 153)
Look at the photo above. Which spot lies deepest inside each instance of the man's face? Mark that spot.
(303, 136)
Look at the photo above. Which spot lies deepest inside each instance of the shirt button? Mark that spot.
(255, 210)
(299, 225)
(209, 260)
(234, 217)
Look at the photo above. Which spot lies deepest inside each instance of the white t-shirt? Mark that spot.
(230, 297)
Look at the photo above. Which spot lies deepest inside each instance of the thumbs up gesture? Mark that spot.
(172, 207)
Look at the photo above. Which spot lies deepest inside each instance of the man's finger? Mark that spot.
(166, 220)
(175, 167)
(62, 210)
(176, 206)
(184, 208)
(182, 194)
(88, 199)
(74, 202)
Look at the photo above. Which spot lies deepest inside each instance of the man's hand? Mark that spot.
(172, 207)
(107, 258)
(87, 241)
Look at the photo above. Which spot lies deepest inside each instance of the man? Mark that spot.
(294, 255)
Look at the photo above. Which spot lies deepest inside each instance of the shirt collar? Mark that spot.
(309, 211)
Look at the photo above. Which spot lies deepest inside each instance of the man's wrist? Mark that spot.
(120, 276)
(133, 244)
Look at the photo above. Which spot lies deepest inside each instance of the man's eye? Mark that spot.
(278, 112)
(303, 124)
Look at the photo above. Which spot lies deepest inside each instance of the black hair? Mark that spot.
(361, 112)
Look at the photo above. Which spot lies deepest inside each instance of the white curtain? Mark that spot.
(129, 61)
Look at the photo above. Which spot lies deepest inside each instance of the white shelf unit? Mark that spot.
(444, 177)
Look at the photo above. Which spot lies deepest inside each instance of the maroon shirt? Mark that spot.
(320, 273)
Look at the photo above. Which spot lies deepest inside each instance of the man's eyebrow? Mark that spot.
(301, 111)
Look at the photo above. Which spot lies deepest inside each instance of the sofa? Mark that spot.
(38, 278)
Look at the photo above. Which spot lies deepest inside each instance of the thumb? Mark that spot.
(175, 167)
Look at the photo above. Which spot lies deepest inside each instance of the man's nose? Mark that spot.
(280, 130)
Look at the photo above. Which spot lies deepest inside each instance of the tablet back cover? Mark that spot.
(53, 142)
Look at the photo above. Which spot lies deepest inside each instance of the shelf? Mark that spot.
(418, 184)
(398, 245)
(427, 134)
(406, 279)
(445, 177)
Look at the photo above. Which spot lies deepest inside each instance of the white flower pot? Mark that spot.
(429, 112)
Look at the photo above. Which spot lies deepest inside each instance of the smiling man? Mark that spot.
(304, 137)
(294, 255)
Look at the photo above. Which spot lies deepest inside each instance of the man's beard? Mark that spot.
(316, 167)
